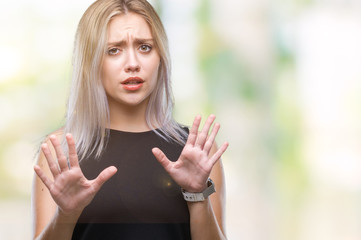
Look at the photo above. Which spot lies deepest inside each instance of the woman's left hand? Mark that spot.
(191, 171)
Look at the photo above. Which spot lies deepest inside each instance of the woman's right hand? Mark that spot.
(70, 190)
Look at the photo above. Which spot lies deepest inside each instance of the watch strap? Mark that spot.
(198, 197)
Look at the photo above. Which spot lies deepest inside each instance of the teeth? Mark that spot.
(132, 82)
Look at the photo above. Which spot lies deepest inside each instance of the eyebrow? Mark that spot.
(136, 41)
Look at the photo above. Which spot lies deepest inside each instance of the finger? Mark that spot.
(54, 168)
(210, 141)
(202, 136)
(62, 161)
(192, 137)
(162, 159)
(42, 176)
(217, 155)
(73, 156)
(104, 176)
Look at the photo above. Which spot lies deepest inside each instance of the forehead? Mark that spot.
(129, 25)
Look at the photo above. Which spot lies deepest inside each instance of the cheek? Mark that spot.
(155, 73)
(108, 73)
(154, 67)
(106, 78)
(106, 70)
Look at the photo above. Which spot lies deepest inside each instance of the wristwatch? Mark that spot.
(198, 197)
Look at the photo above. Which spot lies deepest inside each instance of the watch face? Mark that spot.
(209, 182)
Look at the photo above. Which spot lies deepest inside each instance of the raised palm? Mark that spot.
(194, 165)
(70, 190)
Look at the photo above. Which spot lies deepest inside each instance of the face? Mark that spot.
(131, 62)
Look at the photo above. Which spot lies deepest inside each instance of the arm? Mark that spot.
(60, 191)
(198, 161)
(46, 218)
(207, 217)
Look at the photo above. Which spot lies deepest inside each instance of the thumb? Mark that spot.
(162, 158)
(104, 176)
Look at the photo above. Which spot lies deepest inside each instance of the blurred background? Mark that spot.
(283, 78)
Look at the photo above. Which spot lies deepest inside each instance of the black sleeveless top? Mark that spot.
(141, 201)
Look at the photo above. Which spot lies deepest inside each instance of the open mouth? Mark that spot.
(133, 81)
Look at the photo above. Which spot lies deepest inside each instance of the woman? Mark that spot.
(151, 179)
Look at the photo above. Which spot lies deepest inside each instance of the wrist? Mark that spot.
(196, 187)
(201, 195)
(68, 217)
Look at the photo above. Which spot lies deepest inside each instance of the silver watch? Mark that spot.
(198, 197)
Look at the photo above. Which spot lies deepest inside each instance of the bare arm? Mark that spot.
(207, 217)
(198, 161)
(60, 191)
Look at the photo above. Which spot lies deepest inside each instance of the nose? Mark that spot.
(132, 64)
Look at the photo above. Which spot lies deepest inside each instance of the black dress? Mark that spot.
(141, 201)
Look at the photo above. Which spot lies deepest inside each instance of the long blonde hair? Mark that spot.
(87, 111)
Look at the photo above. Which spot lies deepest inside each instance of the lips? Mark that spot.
(132, 83)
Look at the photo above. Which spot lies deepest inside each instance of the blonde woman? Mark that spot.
(121, 167)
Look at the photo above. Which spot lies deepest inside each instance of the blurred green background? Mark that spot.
(283, 78)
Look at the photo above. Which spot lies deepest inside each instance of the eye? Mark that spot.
(145, 48)
(113, 51)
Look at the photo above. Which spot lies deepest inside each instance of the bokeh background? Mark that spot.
(282, 76)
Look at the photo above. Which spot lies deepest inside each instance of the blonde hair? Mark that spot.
(87, 111)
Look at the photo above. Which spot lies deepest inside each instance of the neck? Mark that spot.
(128, 118)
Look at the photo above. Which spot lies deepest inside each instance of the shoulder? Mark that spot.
(41, 160)
(184, 128)
(59, 133)
(43, 204)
